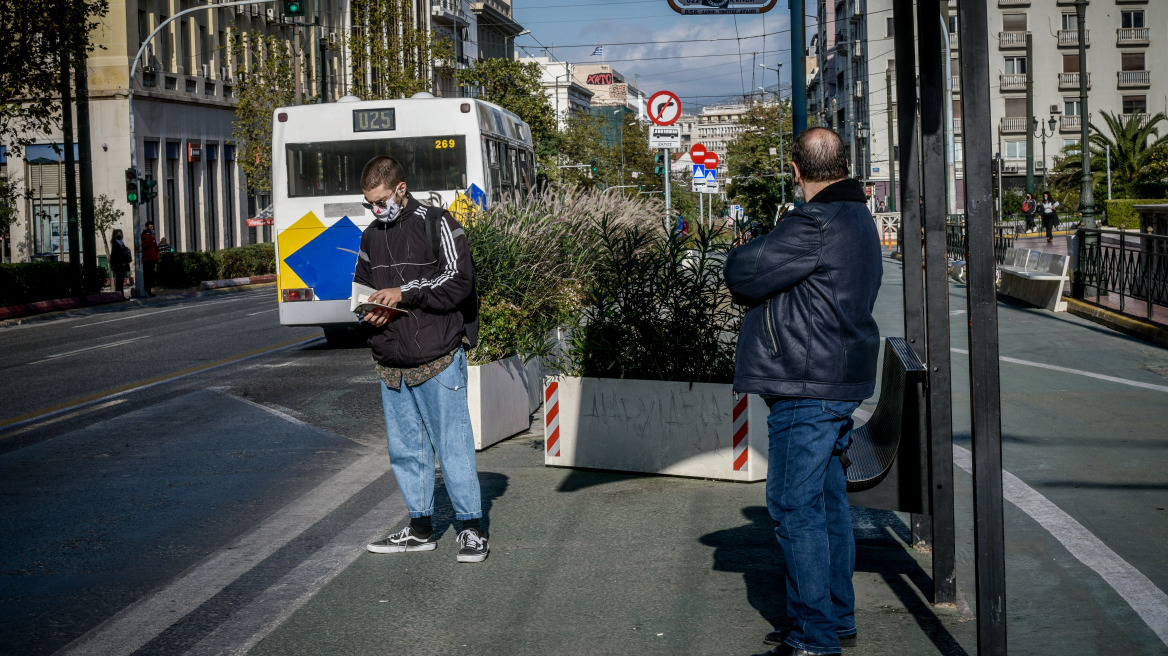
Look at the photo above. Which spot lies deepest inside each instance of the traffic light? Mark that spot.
(148, 188)
(293, 7)
(132, 194)
(595, 165)
(659, 164)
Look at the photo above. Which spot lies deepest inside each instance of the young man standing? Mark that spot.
(419, 356)
(809, 345)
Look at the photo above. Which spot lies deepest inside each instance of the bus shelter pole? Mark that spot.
(934, 187)
(910, 221)
(984, 383)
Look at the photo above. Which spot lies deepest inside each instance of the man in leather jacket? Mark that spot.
(809, 345)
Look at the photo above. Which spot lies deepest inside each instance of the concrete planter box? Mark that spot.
(500, 398)
(654, 427)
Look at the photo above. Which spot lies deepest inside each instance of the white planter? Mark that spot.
(656, 427)
(499, 396)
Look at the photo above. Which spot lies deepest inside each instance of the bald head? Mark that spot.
(820, 156)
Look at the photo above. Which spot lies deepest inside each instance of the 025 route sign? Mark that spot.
(705, 7)
(664, 108)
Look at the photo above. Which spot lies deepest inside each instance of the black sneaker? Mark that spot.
(777, 638)
(403, 540)
(473, 546)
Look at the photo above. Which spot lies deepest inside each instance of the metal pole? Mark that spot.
(798, 69)
(1029, 112)
(85, 161)
(950, 144)
(891, 142)
(1109, 172)
(940, 392)
(984, 382)
(668, 191)
(998, 162)
(74, 244)
(1087, 204)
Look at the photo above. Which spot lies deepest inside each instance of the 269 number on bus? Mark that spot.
(439, 144)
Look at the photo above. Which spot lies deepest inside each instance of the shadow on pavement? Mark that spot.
(752, 550)
(492, 485)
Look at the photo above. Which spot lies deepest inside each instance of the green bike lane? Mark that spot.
(605, 563)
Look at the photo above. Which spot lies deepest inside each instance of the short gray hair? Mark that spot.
(819, 153)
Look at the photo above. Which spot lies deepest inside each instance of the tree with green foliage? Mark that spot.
(268, 82)
(36, 36)
(1135, 146)
(754, 171)
(516, 87)
(106, 215)
(392, 58)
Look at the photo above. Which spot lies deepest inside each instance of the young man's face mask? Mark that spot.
(390, 211)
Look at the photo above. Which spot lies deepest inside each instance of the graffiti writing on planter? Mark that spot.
(599, 78)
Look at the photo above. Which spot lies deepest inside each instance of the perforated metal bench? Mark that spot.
(1035, 277)
(874, 445)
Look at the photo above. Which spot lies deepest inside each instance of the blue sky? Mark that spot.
(664, 50)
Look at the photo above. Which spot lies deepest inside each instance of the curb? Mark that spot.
(1128, 325)
(40, 307)
(237, 282)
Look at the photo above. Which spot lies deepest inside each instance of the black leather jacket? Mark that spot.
(810, 286)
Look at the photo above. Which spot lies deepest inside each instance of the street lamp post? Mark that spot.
(779, 101)
(1087, 202)
(1039, 130)
(863, 134)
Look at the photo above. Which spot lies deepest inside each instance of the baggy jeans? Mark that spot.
(807, 497)
(427, 420)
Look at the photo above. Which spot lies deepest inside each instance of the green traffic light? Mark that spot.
(133, 198)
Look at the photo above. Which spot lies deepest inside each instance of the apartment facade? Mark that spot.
(715, 126)
(565, 95)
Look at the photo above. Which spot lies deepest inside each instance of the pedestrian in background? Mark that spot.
(420, 356)
(164, 246)
(809, 345)
(149, 254)
(1029, 209)
(1049, 215)
(119, 260)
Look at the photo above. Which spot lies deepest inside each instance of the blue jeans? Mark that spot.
(807, 497)
(433, 418)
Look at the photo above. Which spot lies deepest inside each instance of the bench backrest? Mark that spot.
(1044, 261)
(1011, 253)
(1058, 264)
(1031, 260)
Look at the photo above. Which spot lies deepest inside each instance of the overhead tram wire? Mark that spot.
(669, 41)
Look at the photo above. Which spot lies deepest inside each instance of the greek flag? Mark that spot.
(598, 52)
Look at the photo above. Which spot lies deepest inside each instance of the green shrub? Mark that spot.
(180, 270)
(29, 282)
(1121, 212)
(244, 261)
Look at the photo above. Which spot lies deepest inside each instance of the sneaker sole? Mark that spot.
(472, 558)
(374, 548)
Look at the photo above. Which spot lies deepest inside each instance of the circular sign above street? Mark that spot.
(697, 153)
(664, 108)
(711, 161)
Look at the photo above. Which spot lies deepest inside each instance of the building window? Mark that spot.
(888, 29)
(1134, 18)
(1132, 61)
(1015, 150)
(1016, 107)
(1015, 65)
(1135, 104)
(1071, 106)
(953, 24)
(143, 28)
(1070, 63)
(1070, 22)
(1010, 23)
(1071, 145)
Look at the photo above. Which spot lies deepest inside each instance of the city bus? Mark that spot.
(459, 153)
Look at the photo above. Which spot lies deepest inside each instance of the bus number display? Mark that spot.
(373, 120)
(439, 144)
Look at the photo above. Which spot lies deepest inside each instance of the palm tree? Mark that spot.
(1131, 143)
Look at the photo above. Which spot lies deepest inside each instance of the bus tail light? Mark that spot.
(289, 295)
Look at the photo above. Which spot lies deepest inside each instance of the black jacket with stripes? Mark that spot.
(398, 254)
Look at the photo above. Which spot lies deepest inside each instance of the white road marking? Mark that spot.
(251, 624)
(263, 311)
(1077, 372)
(1148, 601)
(89, 348)
(99, 406)
(142, 621)
(190, 306)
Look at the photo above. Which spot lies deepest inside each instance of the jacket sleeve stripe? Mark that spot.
(451, 268)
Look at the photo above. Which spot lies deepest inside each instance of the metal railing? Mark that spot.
(1127, 36)
(1068, 123)
(1071, 37)
(1004, 3)
(956, 125)
(1071, 80)
(1129, 264)
(957, 239)
(1014, 124)
(1134, 78)
(953, 42)
(1012, 81)
(1127, 117)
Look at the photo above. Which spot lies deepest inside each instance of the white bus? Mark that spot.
(454, 151)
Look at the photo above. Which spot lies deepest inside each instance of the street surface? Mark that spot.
(190, 477)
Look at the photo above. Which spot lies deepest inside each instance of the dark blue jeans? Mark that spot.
(807, 498)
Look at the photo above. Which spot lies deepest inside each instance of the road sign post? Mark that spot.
(664, 110)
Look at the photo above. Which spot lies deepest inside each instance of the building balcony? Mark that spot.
(1143, 118)
(1131, 36)
(1131, 2)
(858, 50)
(447, 12)
(955, 84)
(1070, 123)
(956, 125)
(953, 45)
(1134, 79)
(1012, 82)
(1071, 81)
(1014, 125)
(1070, 38)
(1013, 3)
(1011, 40)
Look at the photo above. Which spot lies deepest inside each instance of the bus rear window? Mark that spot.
(334, 168)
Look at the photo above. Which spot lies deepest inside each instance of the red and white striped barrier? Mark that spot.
(551, 418)
(741, 431)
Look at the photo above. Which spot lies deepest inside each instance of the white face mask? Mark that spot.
(389, 213)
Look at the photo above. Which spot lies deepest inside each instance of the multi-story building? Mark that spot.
(564, 93)
(613, 97)
(715, 126)
(475, 30)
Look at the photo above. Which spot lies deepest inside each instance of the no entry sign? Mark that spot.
(697, 153)
(664, 108)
